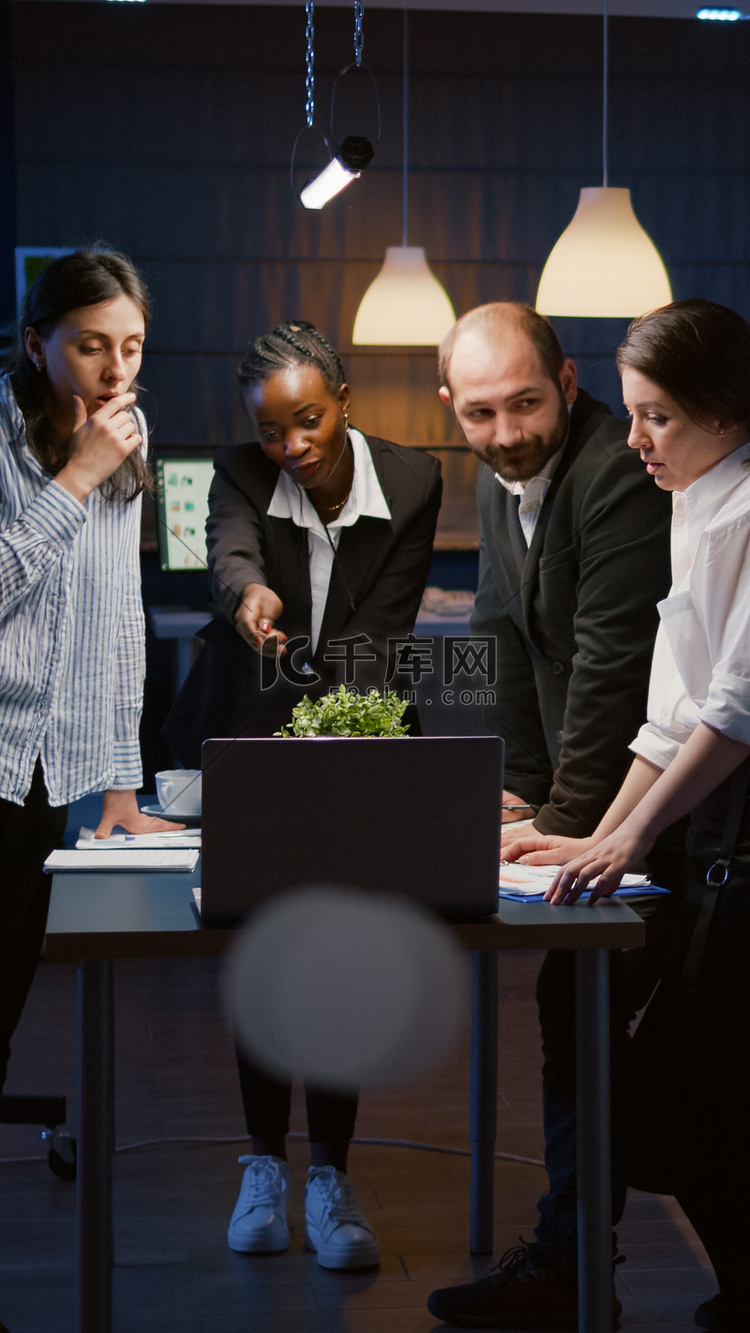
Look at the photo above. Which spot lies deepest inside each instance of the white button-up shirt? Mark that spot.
(72, 643)
(701, 665)
(366, 498)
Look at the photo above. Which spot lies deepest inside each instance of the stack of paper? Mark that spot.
(522, 881)
(137, 860)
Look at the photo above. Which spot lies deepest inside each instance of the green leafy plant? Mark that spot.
(347, 714)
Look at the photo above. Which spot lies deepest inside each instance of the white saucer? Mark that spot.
(163, 814)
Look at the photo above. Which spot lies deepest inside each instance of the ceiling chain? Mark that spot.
(359, 37)
(309, 64)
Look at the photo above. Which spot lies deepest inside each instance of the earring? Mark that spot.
(39, 367)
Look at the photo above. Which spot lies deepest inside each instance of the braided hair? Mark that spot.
(295, 343)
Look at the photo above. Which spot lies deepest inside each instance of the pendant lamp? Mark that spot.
(604, 265)
(405, 306)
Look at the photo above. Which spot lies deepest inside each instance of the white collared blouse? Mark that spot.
(366, 498)
(701, 665)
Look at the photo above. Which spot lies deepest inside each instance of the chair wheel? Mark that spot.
(62, 1157)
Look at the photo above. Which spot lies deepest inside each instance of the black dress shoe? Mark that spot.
(724, 1322)
(521, 1291)
(707, 1312)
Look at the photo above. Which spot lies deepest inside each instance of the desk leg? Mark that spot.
(95, 1145)
(183, 662)
(593, 1141)
(483, 1097)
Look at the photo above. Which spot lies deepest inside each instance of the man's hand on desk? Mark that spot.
(542, 849)
(121, 807)
(515, 807)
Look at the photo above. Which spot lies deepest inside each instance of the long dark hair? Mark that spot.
(699, 352)
(84, 278)
(295, 343)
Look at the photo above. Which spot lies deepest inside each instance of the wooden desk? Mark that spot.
(95, 918)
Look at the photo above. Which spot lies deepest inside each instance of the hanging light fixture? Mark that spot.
(405, 306)
(356, 152)
(604, 265)
(353, 156)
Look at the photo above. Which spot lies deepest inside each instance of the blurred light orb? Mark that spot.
(344, 988)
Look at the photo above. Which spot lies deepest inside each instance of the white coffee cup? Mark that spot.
(179, 791)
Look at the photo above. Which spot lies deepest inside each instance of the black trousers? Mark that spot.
(690, 1064)
(330, 1115)
(633, 976)
(28, 833)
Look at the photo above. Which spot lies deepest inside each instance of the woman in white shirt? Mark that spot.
(320, 541)
(686, 383)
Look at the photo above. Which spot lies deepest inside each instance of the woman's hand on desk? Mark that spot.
(121, 807)
(604, 861)
(254, 619)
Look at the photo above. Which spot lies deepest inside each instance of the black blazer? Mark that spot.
(575, 619)
(378, 577)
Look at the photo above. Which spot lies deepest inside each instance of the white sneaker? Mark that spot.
(334, 1223)
(258, 1224)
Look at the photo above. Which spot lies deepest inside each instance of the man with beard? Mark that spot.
(574, 556)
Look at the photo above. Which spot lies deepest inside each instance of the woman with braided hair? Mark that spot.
(319, 546)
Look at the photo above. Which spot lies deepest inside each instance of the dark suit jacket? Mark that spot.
(377, 581)
(575, 619)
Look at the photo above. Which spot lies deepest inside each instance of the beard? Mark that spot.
(523, 461)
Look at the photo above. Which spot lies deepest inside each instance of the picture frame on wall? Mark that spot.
(30, 260)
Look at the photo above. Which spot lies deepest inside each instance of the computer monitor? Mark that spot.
(183, 483)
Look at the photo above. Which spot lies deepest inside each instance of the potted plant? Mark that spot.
(347, 713)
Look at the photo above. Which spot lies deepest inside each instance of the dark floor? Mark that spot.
(174, 1272)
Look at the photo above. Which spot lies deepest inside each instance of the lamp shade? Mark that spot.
(604, 265)
(405, 305)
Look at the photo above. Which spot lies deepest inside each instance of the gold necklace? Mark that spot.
(333, 509)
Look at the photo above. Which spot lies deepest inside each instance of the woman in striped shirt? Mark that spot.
(72, 470)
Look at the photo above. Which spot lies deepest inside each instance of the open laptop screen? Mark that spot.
(418, 816)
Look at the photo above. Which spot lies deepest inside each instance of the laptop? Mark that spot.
(419, 816)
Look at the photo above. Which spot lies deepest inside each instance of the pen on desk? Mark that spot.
(88, 835)
(162, 833)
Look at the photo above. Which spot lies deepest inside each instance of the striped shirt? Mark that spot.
(72, 641)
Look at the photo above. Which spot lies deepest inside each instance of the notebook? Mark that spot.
(140, 861)
(419, 816)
